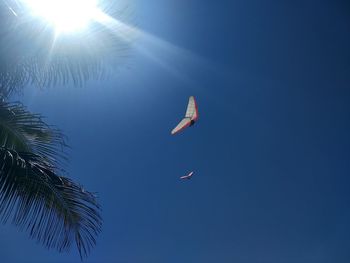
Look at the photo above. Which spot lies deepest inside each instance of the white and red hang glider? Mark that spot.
(187, 176)
(191, 116)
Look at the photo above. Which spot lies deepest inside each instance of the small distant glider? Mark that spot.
(187, 176)
(191, 116)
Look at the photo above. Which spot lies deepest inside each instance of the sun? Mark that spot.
(64, 15)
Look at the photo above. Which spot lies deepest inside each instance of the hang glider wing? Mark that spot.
(185, 122)
(190, 117)
(187, 176)
(192, 110)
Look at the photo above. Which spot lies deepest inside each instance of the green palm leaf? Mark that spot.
(51, 208)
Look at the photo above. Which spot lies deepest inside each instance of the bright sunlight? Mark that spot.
(64, 15)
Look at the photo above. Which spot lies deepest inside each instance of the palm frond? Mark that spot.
(53, 209)
(23, 131)
(31, 52)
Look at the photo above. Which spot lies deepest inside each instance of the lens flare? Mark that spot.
(65, 15)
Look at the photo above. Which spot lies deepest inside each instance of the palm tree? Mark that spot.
(33, 193)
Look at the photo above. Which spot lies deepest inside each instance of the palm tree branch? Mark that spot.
(53, 209)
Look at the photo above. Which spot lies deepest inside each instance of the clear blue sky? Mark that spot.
(270, 151)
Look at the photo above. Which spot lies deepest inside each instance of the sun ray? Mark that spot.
(10, 8)
(154, 48)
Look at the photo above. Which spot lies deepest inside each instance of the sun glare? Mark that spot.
(64, 15)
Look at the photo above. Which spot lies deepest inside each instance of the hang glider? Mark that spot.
(187, 176)
(190, 118)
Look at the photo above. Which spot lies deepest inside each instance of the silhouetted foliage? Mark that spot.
(33, 195)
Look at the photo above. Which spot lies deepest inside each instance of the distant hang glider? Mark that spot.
(191, 116)
(187, 176)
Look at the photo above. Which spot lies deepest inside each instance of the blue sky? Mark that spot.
(270, 151)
